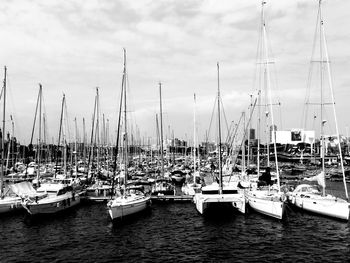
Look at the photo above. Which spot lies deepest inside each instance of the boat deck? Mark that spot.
(172, 198)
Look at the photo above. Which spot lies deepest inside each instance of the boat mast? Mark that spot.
(258, 131)
(75, 147)
(84, 141)
(118, 127)
(3, 136)
(194, 138)
(161, 128)
(330, 82)
(243, 169)
(219, 131)
(59, 135)
(39, 140)
(268, 87)
(323, 122)
(91, 151)
(125, 132)
(97, 132)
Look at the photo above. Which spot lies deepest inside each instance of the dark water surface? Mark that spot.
(172, 232)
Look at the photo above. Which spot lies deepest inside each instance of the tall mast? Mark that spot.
(125, 130)
(249, 128)
(118, 126)
(219, 131)
(323, 40)
(194, 136)
(59, 134)
(258, 132)
(39, 141)
(64, 140)
(3, 135)
(98, 131)
(161, 127)
(84, 141)
(75, 146)
(243, 148)
(322, 102)
(270, 96)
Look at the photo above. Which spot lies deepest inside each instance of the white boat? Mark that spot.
(309, 198)
(7, 202)
(132, 200)
(191, 188)
(210, 196)
(306, 196)
(267, 202)
(219, 193)
(51, 198)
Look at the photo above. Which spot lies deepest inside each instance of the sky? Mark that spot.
(72, 47)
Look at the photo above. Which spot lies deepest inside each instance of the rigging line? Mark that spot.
(223, 111)
(330, 82)
(118, 131)
(256, 64)
(211, 119)
(59, 135)
(92, 136)
(46, 133)
(308, 87)
(35, 115)
(13, 105)
(66, 121)
(2, 90)
(235, 134)
(236, 131)
(228, 137)
(244, 134)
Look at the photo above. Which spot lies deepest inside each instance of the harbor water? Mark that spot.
(172, 232)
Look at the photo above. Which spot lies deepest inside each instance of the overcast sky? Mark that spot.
(74, 46)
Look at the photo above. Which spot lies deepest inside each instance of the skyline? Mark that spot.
(73, 47)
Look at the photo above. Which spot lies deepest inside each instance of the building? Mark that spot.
(294, 136)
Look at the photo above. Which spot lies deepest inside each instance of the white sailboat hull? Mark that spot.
(8, 204)
(203, 201)
(51, 204)
(124, 206)
(323, 205)
(265, 203)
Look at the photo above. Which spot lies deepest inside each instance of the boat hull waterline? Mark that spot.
(52, 205)
(266, 203)
(121, 207)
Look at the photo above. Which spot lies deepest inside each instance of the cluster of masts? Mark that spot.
(231, 188)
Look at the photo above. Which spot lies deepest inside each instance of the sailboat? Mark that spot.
(190, 188)
(131, 200)
(219, 193)
(269, 201)
(162, 185)
(306, 196)
(100, 190)
(51, 196)
(8, 202)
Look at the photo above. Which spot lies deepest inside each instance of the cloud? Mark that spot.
(75, 46)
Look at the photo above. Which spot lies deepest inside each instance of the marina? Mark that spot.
(149, 169)
(173, 232)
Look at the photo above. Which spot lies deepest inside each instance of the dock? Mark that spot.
(172, 198)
